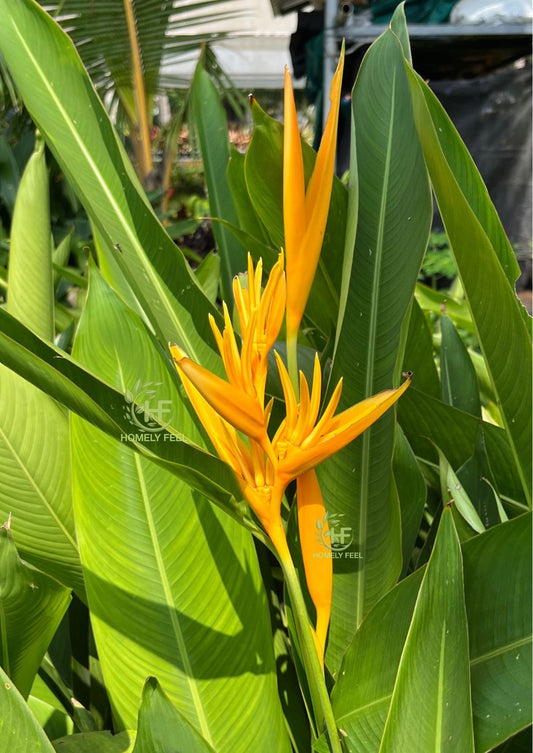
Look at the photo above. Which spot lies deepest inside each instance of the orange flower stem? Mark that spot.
(325, 720)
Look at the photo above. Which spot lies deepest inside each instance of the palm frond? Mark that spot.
(166, 30)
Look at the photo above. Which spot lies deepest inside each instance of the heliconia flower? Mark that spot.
(301, 442)
(305, 212)
(318, 568)
(264, 467)
(260, 317)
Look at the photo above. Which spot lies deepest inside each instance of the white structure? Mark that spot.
(255, 55)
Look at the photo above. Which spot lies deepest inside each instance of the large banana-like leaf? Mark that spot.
(497, 567)
(499, 628)
(173, 585)
(31, 608)
(431, 708)
(107, 408)
(34, 457)
(393, 227)
(19, 730)
(62, 101)
(486, 266)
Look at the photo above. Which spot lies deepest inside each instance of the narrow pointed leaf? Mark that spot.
(211, 124)
(477, 479)
(31, 608)
(30, 280)
(19, 730)
(162, 727)
(452, 492)
(431, 707)
(459, 381)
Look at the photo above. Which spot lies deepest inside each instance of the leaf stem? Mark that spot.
(312, 664)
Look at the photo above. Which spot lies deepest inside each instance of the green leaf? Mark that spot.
(436, 300)
(477, 479)
(459, 381)
(31, 608)
(392, 231)
(418, 354)
(208, 275)
(162, 727)
(211, 124)
(96, 742)
(249, 220)
(423, 417)
(364, 688)
(497, 567)
(431, 707)
(452, 492)
(173, 585)
(30, 279)
(105, 407)
(411, 493)
(362, 695)
(63, 103)
(48, 709)
(19, 731)
(9, 175)
(35, 477)
(486, 266)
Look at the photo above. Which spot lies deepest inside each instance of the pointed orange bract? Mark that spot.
(318, 567)
(305, 213)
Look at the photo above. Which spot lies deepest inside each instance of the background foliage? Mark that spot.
(133, 595)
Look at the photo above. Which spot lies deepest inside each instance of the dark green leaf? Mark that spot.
(392, 231)
(211, 124)
(459, 381)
